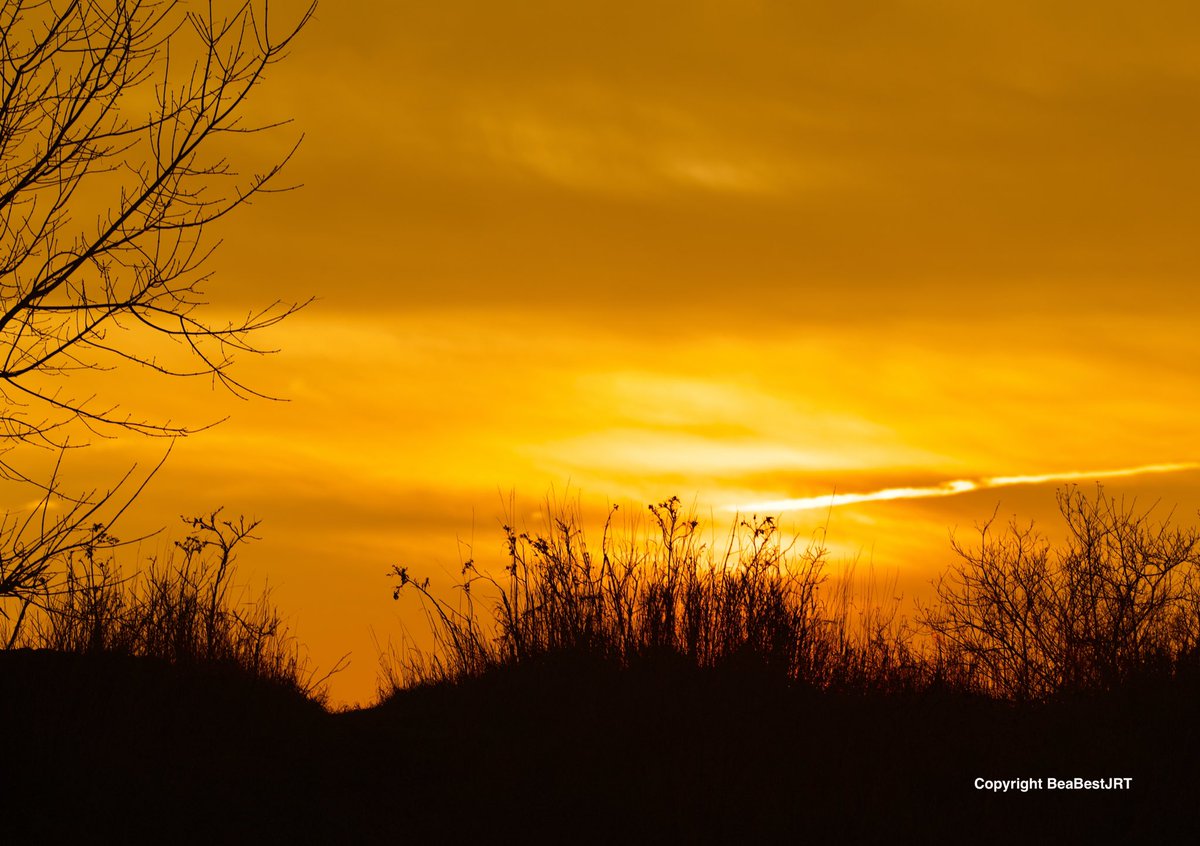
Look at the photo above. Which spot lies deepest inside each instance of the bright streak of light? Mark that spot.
(951, 488)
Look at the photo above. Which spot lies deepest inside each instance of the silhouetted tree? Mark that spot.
(115, 120)
(1119, 598)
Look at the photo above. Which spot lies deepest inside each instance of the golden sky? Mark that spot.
(738, 251)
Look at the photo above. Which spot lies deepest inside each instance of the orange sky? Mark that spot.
(738, 251)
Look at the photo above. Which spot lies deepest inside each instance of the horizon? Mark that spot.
(885, 271)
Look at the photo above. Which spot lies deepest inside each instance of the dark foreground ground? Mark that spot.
(119, 750)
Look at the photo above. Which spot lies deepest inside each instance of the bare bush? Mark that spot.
(1026, 619)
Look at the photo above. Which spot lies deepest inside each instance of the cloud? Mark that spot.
(950, 488)
(843, 160)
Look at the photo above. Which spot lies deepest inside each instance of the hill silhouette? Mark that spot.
(645, 693)
(136, 750)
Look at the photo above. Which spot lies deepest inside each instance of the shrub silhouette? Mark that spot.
(1016, 617)
(1119, 599)
(185, 609)
(759, 605)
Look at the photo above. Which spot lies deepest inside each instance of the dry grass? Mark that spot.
(1016, 618)
(185, 609)
(756, 604)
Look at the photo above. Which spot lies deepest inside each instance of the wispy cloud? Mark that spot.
(952, 488)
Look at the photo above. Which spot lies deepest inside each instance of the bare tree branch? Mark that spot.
(116, 117)
(127, 99)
